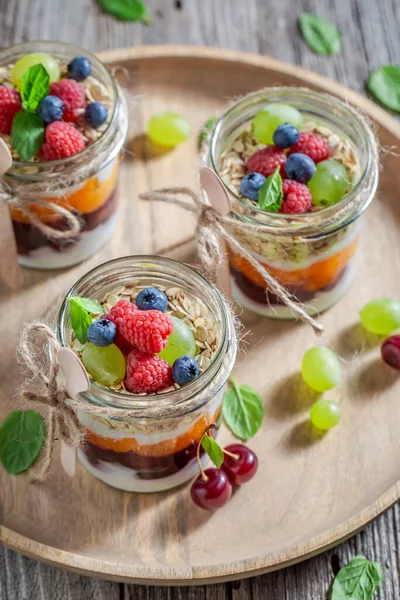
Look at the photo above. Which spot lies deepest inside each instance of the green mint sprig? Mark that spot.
(205, 130)
(21, 439)
(321, 35)
(384, 84)
(213, 449)
(81, 310)
(35, 86)
(242, 410)
(127, 10)
(270, 195)
(359, 580)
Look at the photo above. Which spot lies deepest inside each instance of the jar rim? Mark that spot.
(305, 224)
(183, 395)
(77, 51)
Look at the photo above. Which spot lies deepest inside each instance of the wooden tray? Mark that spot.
(311, 491)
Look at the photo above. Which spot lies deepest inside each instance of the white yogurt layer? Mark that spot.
(125, 479)
(101, 175)
(320, 303)
(89, 242)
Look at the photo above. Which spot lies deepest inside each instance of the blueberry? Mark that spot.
(51, 109)
(250, 185)
(152, 299)
(286, 135)
(95, 114)
(185, 369)
(79, 68)
(102, 332)
(300, 167)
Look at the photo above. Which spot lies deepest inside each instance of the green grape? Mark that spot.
(168, 129)
(36, 58)
(106, 364)
(329, 184)
(320, 368)
(181, 342)
(381, 316)
(325, 414)
(267, 120)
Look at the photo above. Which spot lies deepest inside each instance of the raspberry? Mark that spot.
(72, 93)
(297, 198)
(147, 373)
(61, 140)
(266, 160)
(147, 330)
(117, 314)
(313, 145)
(10, 104)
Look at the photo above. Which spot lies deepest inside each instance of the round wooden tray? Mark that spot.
(311, 491)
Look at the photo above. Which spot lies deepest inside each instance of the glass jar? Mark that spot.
(312, 255)
(83, 184)
(154, 447)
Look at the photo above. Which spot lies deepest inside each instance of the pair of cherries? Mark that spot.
(212, 488)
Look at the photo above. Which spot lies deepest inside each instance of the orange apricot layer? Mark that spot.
(164, 448)
(85, 200)
(312, 278)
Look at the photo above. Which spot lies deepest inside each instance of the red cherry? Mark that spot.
(391, 351)
(240, 469)
(211, 491)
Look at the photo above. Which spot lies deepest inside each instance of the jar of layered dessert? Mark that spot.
(64, 120)
(299, 168)
(159, 346)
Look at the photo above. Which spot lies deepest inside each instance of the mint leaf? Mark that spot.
(358, 580)
(243, 410)
(91, 306)
(204, 131)
(21, 439)
(213, 450)
(321, 36)
(270, 194)
(35, 86)
(126, 10)
(384, 84)
(27, 134)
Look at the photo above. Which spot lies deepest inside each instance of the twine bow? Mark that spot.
(45, 387)
(211, 227)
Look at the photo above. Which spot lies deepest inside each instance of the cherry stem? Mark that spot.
(231, 454)
(203, 475)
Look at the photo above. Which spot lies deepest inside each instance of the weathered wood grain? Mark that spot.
(370, 32)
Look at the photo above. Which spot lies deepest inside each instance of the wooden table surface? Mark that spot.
(371, 38)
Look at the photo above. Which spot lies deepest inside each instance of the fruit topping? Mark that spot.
(10, 104)
(266, 160)
(79, 68)
(116, 315)
(321, 368)
(96, 114)
(211, 489)
(72, 93)
(313, 145)
(251, 184)
(185, 369)
(147, 373)
(390, 350)
(329, 184)
(102, 332)
(381, 316)
(51, 109)
(325, 414)
(152, 298)
(297, 198)
(270, 117)
(181, 342)
(105, 364)
(240, 463)
(61, 140)
(300, 167)
(286, 135)
(168, 129)
(36, 58)
(147, 330)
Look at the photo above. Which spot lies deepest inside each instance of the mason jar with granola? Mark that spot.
(64, 120)
(300, 168)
